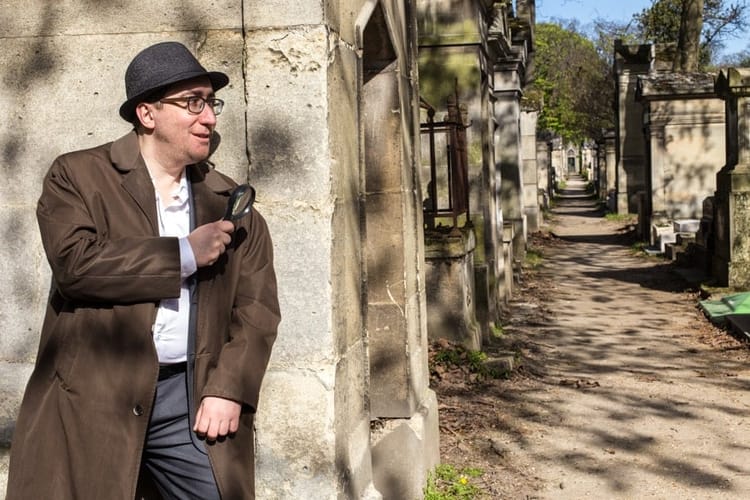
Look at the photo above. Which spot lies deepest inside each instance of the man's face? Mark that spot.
(181, 136)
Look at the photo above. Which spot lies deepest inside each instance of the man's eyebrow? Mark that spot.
(194, 93)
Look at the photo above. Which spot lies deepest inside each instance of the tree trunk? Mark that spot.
(689, 43)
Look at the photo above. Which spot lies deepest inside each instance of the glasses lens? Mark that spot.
(195, 104)
(217, 105)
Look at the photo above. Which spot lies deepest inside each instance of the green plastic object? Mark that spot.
(716, 310)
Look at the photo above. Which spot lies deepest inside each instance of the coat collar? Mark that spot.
(205, 182)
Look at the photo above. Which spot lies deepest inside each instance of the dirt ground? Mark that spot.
(624, 390)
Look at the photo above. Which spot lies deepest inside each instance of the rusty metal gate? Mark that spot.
(448, 182)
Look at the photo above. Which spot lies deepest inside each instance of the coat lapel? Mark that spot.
(126, 156)
(205, 186)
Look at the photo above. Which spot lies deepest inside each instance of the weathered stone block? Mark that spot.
(450, 288)
(302, 235)
(353, 422)
(391, 391)
(289, 137)
(405, 450)
(279, 13)
(295, 456)
(48, 19)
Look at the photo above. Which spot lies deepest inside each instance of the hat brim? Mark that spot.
(127, 110)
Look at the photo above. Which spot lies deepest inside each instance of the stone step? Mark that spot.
(502, 363)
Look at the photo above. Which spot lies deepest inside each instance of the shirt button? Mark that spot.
(138, 410)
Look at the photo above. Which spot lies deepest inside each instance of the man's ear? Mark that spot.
(145, 114)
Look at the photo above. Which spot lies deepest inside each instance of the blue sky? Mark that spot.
(585, 11)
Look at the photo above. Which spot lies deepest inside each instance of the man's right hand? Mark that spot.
(209, 241)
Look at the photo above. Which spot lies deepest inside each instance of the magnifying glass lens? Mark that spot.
(240, 202)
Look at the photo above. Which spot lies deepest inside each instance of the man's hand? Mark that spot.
(217, 417)
(209, 241)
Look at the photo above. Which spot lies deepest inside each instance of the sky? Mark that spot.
(586, 11)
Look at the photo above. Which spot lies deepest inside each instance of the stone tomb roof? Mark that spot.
(664, 85)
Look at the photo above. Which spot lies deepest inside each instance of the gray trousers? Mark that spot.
(179, 468)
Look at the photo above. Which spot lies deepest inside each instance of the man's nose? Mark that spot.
(207, 116)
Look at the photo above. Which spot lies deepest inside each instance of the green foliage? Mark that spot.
(574, 81)
(639, 249)
(449, 483)
(497, 331)
(628, 218)
(660, 23)
(450, 356)
(460, 356)
(534, 258)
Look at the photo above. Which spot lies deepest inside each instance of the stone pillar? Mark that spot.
(508, 154)
(332, 128)
(630, 61)
(731, 259)
(610, 159)
(487, 220)
(530, 172)
(657, 205)
(544, 171)
(403, 410)
(308, 171)
(557, 162)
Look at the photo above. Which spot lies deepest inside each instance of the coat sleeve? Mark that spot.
(255, 317)
(89, 264)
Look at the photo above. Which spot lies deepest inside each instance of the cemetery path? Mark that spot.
(625, 390)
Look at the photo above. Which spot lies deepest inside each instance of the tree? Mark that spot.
(738, 59)
(688, 43)
(574, 81)
(720, 20)
(606, 32)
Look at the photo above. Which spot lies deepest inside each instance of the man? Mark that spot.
(161, 316)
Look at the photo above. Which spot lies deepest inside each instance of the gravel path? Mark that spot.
(626, 393)
(642, 408)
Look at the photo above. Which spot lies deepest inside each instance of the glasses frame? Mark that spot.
(216, 104)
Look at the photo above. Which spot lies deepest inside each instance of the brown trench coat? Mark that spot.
(84, 416)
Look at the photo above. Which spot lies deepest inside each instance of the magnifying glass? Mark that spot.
(240, 202)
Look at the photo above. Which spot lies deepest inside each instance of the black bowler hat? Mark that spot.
(159, 66)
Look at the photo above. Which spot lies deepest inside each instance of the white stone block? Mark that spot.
(666, 238)
(686, 225)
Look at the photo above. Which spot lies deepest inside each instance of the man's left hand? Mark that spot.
(217, 417)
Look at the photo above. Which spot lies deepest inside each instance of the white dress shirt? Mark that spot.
(172, 322)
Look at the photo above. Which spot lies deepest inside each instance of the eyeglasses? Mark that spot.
(195, 104)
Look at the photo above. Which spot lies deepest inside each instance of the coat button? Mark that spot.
(138, 410)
